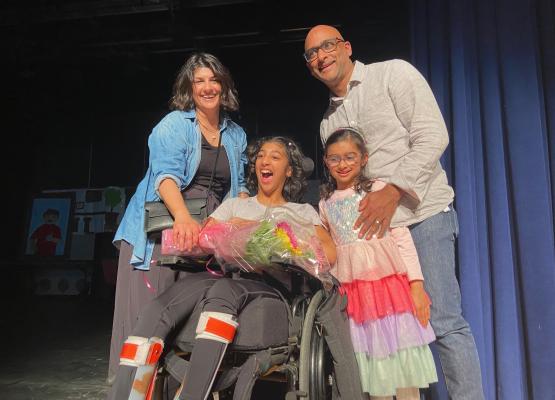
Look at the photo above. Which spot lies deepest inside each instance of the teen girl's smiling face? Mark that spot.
(272, 168)
(345, 162)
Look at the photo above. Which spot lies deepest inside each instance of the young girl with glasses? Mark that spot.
(388, 307)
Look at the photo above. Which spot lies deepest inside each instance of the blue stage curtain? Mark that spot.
(491, 65)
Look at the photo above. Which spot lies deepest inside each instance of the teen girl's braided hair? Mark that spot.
(296, 184)
(329, 185)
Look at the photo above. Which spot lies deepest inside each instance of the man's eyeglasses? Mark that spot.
(328, 46)
(350, 159)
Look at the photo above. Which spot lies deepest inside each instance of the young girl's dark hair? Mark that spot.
(329, 185)
(295, 185)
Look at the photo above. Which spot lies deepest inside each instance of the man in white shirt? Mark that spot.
(393, 107)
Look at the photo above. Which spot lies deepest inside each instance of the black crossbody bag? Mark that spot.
(158, 217)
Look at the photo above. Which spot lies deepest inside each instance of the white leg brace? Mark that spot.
(143, 354)
(216, 326)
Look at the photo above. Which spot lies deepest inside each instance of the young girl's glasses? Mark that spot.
(350, 159)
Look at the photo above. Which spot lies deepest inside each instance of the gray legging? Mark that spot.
(173, 306)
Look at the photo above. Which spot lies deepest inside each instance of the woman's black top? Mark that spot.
(222, 175)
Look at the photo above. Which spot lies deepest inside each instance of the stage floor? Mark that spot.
(56, 347)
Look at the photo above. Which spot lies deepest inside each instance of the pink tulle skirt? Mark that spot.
(368, 260)
(382, 337)
(390, 344)
(371, 300)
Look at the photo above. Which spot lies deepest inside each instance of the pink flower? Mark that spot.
(287, 228)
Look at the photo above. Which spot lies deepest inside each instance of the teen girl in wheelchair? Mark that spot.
(276, 172)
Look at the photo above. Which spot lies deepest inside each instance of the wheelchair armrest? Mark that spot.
(293, 268)
(299, 271)
(183, 263)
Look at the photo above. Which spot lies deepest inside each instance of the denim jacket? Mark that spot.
(175, 149)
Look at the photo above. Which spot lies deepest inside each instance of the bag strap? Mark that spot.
(213, 168)
(215, 164)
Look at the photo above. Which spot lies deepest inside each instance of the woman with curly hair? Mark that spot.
(276, 173)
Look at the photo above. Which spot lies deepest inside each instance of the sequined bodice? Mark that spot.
(342, 213)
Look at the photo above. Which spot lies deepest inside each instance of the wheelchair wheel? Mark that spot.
(306, 336)
(315, 365)
(321, 367)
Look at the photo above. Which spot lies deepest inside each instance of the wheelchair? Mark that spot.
(278, 340)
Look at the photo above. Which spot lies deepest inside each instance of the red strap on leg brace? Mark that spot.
(154, 353)
(220, 328)
(130, 351)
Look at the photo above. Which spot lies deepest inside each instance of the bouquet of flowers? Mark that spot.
(281, 237)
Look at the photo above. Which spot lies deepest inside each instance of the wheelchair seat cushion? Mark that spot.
(263, 323)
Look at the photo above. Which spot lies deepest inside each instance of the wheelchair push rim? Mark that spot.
(315, 365)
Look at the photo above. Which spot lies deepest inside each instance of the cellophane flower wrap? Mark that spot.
(281, 237)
